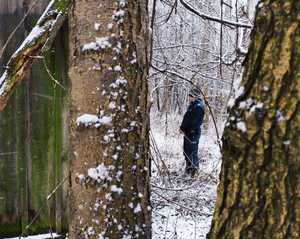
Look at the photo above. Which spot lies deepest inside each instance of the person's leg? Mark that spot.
(187, 155)
(194, 155)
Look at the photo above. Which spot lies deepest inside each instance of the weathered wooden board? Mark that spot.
(32, 156)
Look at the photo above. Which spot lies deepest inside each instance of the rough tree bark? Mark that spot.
(109, 66)
(259, 192)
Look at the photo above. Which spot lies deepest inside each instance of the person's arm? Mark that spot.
(185, 126)
(196, 117)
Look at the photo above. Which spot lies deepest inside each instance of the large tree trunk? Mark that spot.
(259, 192)
(108, 73)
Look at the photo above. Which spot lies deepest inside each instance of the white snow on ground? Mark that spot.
(42, 236)
(183, 210)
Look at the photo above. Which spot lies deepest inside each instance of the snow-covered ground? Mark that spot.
(42, 236)
(182, 206)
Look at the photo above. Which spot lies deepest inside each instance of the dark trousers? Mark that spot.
(190, 151)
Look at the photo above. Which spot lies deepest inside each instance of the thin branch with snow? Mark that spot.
(214, 19)
(37, 42)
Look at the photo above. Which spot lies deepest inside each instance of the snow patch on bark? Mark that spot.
(138, 208)
(241, 126)
(99, 43)
(97, 26)
(259, 105)
(116, 189)
(90, 119)
(99, 173)
(87, 119)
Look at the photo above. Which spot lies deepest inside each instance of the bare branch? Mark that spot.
(38, 41)
(210, 18)
(16, 28)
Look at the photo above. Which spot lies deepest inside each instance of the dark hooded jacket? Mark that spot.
(193, 118)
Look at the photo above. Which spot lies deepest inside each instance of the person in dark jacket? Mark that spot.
(190, 127)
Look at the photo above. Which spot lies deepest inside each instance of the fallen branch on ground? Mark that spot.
(182, 206)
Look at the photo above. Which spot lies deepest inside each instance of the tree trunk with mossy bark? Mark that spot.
(108, 74)
(259, 192)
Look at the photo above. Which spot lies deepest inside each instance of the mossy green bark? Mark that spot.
(63, 5)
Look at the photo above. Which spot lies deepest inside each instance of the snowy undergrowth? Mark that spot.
(182, 206)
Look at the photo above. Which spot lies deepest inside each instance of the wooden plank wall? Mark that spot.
(33, 156)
